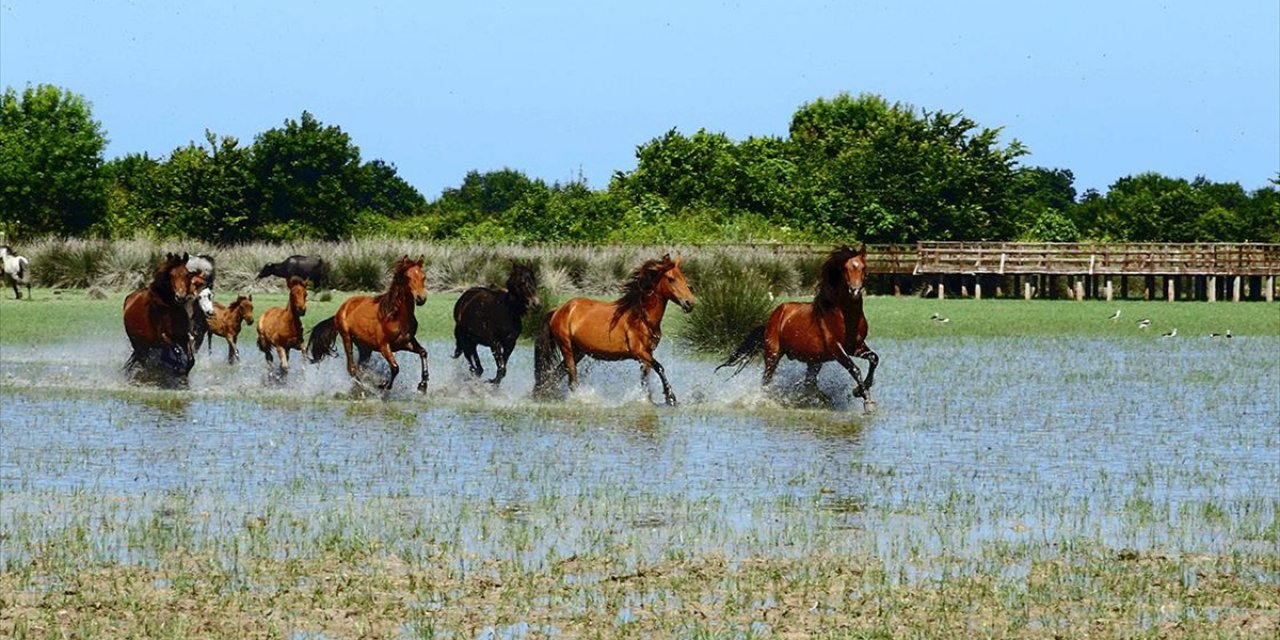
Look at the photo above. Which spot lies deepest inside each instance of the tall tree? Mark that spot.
(308, 178)
(51, 178)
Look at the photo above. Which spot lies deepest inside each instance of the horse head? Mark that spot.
(844, 271)
(672, 285)
(523, 282)
(298, 296)
(243, 308)
(205, 298)
(172, 278)
(409, 274)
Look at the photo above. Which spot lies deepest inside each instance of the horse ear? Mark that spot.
(862, 249)
(422, 259)
(678, 259)
(185, 256)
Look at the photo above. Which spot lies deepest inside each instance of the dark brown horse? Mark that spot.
(155, 317)
(832, 327)
(280, 328)
(626, 329)
(225, 319)
(382, 323)
(492, 317)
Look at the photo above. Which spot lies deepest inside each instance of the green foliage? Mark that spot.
(851, 167)
(51, 178)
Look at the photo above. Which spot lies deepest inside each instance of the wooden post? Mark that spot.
(977, 287)
(1079, 290)
(1211, 289)
(1170, 294)
(1124, 287)
(1026, 289)
(1235, 289)
(942, 290)
(1106, 290)
(1269, 289)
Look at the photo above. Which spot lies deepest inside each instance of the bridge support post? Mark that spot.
(1171, 293)
(1269, 288)
(1106, 290)
(1235, 289)
(1026, 289)
(977, 288)
(942, 289)
(1079, 290)
(1211, 289)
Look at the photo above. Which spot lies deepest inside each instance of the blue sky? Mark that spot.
(558, 89)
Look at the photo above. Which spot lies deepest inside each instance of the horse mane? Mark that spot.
(389, 301)
(520, 282)
(639, 285)
(830, 280)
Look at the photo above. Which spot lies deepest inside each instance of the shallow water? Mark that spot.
(1017, 445)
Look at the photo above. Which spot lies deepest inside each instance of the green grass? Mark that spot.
(69, 314)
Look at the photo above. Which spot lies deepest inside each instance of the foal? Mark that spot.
(281, 327)
(225, 320)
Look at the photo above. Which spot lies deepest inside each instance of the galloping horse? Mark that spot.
(281, 327)
(491, 317)
(384, 323)
(16, 269)
(225, 319)
(832, 327)
(626, 329)
(155, 317)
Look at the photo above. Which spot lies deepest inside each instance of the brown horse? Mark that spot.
(281, 327)
(155, 317)
(384, 323)
(225, 319)
(832, 327)
(627, 329)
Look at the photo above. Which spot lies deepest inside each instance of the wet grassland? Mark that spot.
(1034, 470)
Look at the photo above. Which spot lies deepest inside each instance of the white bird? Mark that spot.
(770, 296)
(939, 319)
(1171, 334)
(1228, 333)
(1115, 316)
(1144, 323)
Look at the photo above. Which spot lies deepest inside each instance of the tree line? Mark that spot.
(851, 167)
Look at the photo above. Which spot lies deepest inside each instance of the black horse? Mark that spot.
(309, 267)
(491, 317)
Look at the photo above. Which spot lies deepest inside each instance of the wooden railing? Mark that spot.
(1020, 258)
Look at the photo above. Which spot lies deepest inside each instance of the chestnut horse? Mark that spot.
(627, 329)
(384, 323)
(492, 317)
(281, 327)
(225, 319)
(832, 327)
(155, 317)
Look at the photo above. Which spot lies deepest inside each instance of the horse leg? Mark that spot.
(233, 354)
(811, 383)
(666, 386)
(284, 360)
(644, 381)
(859, 391)
(422, 355)
(351, 361)
(16, 293)
(500, 354)
(570, 363)
(385, 350)
(873, 361)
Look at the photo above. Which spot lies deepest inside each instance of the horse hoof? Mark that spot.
(422, 387)
(868, 406)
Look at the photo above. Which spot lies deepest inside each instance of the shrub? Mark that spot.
(732, 300)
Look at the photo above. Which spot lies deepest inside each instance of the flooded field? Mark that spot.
(1006, 486)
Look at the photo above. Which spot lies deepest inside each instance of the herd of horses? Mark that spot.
(167, 320)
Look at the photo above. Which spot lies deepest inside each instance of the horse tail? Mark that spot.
(320, 343)
(544, 359)
(22, 269)
(745, 351)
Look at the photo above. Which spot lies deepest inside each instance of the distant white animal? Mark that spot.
(1144, 323)
(205, 299)
(1171, 334)
(16, 269)
(1115, 316)
(939, 319)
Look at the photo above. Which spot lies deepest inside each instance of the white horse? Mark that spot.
(16, 269)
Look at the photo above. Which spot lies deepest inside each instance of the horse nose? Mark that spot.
(419, 300)
(687, 305)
